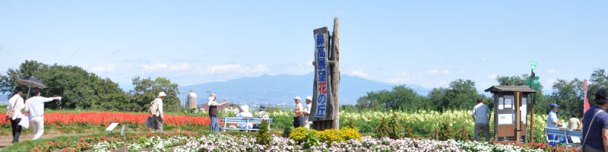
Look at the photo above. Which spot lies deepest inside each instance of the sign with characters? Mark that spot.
(321, 72)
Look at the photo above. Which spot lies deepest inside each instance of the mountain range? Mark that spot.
(281, 89)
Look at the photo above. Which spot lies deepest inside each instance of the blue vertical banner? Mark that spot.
(321, 72)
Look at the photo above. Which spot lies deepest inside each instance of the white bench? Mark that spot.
(572, 137)
(246, 120)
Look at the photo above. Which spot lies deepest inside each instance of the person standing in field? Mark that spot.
(297, 119)
(16, 105)
(158, 114)
(35, 108)
(595, 124)
(213, 113)
(481, 115)
(306, 112)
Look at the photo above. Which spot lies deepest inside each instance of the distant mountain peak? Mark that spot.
(280, 89)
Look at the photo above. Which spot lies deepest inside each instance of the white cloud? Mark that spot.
(235, 69)
(492, 76)
(167, 67)
(358, 73)
(401, 78)
(552, 71)
(103, 68)
(483, 59)
(435, 72)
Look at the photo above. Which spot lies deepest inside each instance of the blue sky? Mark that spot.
(428, 43)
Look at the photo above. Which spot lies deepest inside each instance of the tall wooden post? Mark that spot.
(335, 72)
(533, 101)
(517, 117)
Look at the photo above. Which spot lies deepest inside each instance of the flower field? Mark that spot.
(105, 118)
(422, 123)
(189, 143)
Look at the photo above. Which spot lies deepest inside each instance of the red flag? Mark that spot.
(586, 104)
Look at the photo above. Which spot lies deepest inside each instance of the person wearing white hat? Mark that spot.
(306, 112)
(213, 113)
(297, 119)
(244, 112)
(158, 114)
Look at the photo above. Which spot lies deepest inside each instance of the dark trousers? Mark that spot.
(158, 123)
(16, 129)
(298, 122)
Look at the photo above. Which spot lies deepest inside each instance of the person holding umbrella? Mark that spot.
(14, 112)
(35, 108)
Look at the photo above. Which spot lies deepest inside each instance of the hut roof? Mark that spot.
(525, 89)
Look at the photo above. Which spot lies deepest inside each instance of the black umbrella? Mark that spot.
(31, 82)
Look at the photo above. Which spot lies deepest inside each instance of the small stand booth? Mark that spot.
(510, 112)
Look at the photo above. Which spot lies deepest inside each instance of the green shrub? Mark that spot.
(263, 137)
(383, 129)
(395, 129)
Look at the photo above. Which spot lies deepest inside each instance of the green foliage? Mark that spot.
(84, 90)
(311, 139)
(79, 88)
(287, 131)
(263, 137)
(383, 129)
(400, 98)
(461, 94)
(147, 90)
(395, 129)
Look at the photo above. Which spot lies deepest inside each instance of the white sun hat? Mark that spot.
(162, 94)
(297, 98)
(308, 98)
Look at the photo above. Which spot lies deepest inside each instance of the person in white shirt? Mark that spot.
(214, 112)
(297, 119)
(244, 112)
(35, 107)
(481, 115)
(306, 112)
(16, 104)
(159, 115)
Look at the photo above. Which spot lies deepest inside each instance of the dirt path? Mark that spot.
(7, 140)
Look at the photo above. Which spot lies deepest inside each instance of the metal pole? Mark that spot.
(532, 108)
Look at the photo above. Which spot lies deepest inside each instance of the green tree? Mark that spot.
(461, 94)
(79, 88)
(400, 98)
(569, 95)
(147, 90)
(599, 79)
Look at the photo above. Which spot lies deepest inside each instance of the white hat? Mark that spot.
(162, 94)
(308, 98)
(245, 108)
(297, 98)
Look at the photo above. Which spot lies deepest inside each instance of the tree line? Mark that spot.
(462, 95)
(84, 90)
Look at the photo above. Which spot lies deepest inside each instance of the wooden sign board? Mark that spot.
(322, 105)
